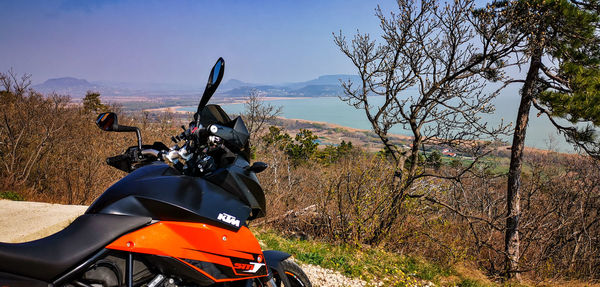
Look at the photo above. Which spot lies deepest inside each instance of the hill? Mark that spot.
(71, 86)
(326, 85)
(323, 86)
(66, 82)
(327, 80)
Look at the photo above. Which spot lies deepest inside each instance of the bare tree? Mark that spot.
(430, 69)
(12, 83)
(258, 114)
(27, 124)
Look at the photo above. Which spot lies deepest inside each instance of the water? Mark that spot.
(540, 133)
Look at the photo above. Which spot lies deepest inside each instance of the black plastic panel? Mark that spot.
(243, 184)
(158, 191)
(19, 281)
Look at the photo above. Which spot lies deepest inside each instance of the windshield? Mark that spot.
(213, 114)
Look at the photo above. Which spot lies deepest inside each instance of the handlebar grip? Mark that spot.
(116, 160)
(122, 162)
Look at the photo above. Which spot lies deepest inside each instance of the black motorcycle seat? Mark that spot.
(49, 257)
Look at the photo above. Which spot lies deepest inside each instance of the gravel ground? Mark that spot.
(321, 277)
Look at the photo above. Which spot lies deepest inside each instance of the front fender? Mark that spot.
(273, 259)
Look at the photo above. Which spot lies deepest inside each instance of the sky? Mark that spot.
(177, 42)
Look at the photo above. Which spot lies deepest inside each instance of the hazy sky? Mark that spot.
(178, 41)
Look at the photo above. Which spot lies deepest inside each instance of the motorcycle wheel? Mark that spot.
(294, 274)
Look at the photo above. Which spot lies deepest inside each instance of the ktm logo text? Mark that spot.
(229, 219)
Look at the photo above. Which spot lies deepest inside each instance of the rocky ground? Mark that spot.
(321, 277)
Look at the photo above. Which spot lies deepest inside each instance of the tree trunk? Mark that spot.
(393, 211)
(513, 197)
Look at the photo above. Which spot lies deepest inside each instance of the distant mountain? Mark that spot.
(233, 84)
(333, 80)
(320, 91)
(323, 86)
(73, 87)
(236, 92)
(66, 82)
(264, 90)
(77, 88)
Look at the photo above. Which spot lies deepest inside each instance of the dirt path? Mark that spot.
(22, 221)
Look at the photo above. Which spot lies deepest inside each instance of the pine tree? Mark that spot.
(92, 103)
(559, 39)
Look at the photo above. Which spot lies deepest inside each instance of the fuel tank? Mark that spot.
(159, 191)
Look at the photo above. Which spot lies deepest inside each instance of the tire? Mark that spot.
(294, 273)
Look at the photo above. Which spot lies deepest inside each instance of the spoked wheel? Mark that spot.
(294, 274)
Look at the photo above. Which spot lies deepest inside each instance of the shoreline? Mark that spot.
(229, 101)
(173, 109)
(331, 126)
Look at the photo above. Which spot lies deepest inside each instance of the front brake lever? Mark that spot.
(172, 156)
(184, 154)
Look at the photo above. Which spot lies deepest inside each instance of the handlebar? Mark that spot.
(151, 152)
(198, 139)
(229, 135)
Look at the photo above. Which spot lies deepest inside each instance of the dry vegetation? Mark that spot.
(456, 223)
(50, 150)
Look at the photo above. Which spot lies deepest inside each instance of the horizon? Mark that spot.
(199, 85)
(176, 43)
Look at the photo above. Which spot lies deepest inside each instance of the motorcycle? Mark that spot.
(179, 218)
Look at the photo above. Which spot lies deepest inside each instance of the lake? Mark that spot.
(333, 110)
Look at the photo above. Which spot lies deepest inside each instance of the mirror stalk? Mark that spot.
(110, 123)
(139, 138)
(125, 129)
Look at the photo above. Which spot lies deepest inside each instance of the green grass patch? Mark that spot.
(11, 195)
(369, 264)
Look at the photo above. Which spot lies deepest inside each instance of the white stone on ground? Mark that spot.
(321, 277)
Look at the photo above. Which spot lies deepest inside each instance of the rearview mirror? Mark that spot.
(108, 122)
(214, 79)
(216, 74)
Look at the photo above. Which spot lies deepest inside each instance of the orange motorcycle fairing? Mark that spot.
(215, 253)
